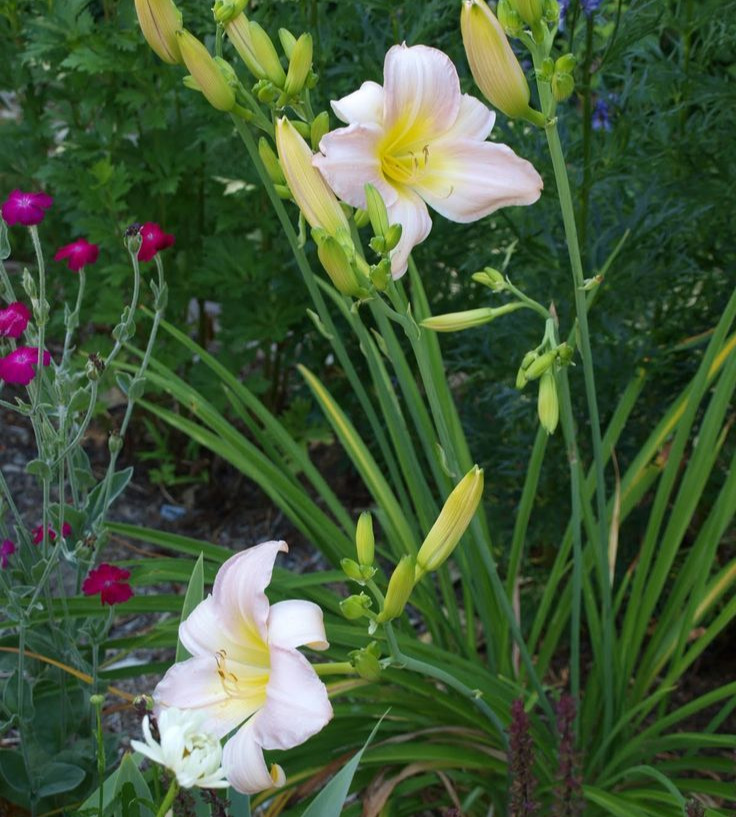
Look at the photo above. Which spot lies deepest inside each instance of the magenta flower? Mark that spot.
(37, 533)
(25, 208)
(7, 549)
(110, 582)
(79, 254)
(14, 319)
(153, 239)
(18, 366)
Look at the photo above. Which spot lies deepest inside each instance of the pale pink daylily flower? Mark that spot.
(246, 673)
(419, 141)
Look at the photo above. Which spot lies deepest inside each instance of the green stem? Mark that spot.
(403, 661)
(73, 319)
(587, 131)
(97, 701)
(334, 668)
(168, 799)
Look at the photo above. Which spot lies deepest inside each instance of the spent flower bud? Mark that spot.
(366, 661)
(399, 590)
(159, 21)
(355, 607)
(451, 524)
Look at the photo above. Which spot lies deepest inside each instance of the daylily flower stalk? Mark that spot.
(420, 142)
(159, 21)
(494, 66)
(245, 673)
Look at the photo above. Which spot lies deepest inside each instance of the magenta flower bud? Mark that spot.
(7, 549)
(153, 239)
(14, 319)
(25, 208)
(19, 365)
(78, 254)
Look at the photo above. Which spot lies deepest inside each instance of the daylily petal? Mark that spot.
(364, 105)
(245, 766)
(196, 684)
(474, 121)
(296, 705)
(411, 212)
(205, 632)
(239, 592)
(421, 92)
(350, 160)
(295, 623)
(466, 180)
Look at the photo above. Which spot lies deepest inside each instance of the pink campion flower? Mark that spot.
(37, 533)
(79, 253)
(420, 142)
(25, 208)
(245, 672)
(7, 549)
(110, 582)
(14, 320)
(19, 365)
(153, 239)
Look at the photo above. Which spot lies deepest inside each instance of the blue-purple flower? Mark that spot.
(601, 116)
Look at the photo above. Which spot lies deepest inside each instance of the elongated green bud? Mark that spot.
(539, 366)
(361, 218)
(311, 193)
(490, 278)
(493, 64)
(548, 405)
(451, 524)
(399, 590)
(358, 573)
(206, 72)
(377, 212)
(337, 265)
(288, 41)
(457, 321)
(270, 161)
(320, 126)
(300, 65)
(365, 542)
(226, 10)
(159, 21)
(238, 32)
(266, 55)
(512, 24)
(530, 11)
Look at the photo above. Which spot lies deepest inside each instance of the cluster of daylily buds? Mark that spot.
(438, 545)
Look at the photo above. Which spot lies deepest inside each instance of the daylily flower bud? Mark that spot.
(238, 32)
(451, 524)
(539, 366)
(337, 265)
(226, 10)
(320, 126)
(548, 406)
(551, 11)
(530, 11)
(512, 24)
(365, 542)
(206, 72)
(566, 63)
(159, 21)
(565, 353)
(376, 208)
(392, 237)
(469, 319)
(360, 573)
(366, 661)
(270, 161)
(355, 607)
(288, 41)
(493, 64)
(311, 193)
(562, 86)
(399, 590)
(361, 218)
(380, 274)
(300, 64)
(491, 278)
(266, 55)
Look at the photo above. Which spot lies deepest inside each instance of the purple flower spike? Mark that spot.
(19, 366)
(25, 208)
(7, 549)
(14, 319)
(601, 116)
(79, 254)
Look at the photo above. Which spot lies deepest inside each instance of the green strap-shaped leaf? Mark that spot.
(194, 595)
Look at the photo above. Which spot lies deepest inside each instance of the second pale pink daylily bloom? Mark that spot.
(246, 673)
(420, 141)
